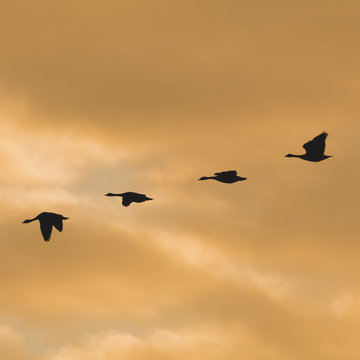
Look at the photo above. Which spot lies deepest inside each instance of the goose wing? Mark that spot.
(133, 195)
(316, 145)
(57, 222)
(46, 228)
(227, 173)
(125, 193)
(126, 201)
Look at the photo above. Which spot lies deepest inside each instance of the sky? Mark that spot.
(148, 96)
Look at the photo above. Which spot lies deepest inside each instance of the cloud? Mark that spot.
(13, 345)
(49, 158)
(157, 344)
(144, 70)
(199, 254)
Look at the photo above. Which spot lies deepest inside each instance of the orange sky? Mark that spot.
(148, 96)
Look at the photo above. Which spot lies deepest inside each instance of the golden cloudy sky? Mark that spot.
(148, 96)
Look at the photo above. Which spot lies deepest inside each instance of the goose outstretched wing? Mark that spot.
(316, 145)
(46, 229)
(57, 222)
(227, 173)
(126, 201)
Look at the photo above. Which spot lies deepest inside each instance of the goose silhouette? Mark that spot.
(130, 197)
(227, 177)
(314, 149)
(47, 221)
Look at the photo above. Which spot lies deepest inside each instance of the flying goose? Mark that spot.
(227, 177)
(314, 148)
(47, 221)
(129, 197)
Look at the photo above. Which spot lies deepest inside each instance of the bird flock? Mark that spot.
(314, 152)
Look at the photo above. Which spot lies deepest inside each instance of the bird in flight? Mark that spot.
(227, 177)
(129, 197)
(314, 149)
(47, 221)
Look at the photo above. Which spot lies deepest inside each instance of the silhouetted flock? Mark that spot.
(314, 152)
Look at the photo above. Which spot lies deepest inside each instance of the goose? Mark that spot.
(314, 149)
(227, 177)
(129, 197)
(47, 221)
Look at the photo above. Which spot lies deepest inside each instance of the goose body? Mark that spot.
(47, 221)
(314, 149)
(130, 197)
(227, 177)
